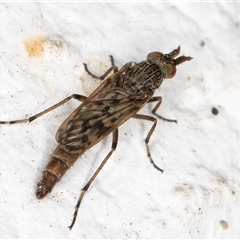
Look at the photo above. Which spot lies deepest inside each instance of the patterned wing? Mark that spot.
(95, 118)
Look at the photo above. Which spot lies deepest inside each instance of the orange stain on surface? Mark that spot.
(35, 46)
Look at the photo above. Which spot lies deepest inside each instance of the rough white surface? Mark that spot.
(129, 199)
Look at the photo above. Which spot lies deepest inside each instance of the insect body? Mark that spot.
(118, 98)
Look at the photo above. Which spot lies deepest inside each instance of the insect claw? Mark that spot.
(70, 227)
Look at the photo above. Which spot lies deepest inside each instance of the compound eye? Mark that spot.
(171, 70)
(155, 55)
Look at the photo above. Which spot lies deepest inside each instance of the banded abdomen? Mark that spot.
(59, 163)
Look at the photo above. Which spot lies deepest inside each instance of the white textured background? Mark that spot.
(129, 199)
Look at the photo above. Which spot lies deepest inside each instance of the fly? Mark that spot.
(119, 97)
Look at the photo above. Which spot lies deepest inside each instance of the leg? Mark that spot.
(113, 68)
(154, 120)
(112, 60)
(30, 119)
(159, 99)
(84, 190)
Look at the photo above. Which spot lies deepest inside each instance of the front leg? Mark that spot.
(112, 68)
(159, 101)
(154, 120)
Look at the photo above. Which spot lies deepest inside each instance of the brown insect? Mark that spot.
(118, 98)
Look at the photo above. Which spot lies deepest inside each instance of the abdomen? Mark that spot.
(59, 163)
